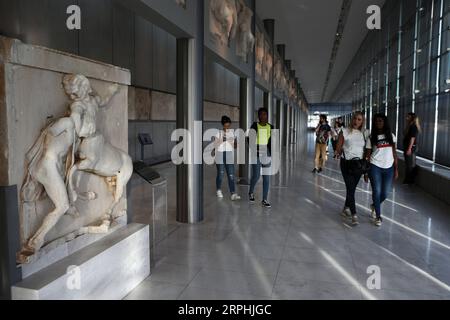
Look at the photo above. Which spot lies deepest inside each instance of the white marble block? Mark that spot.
(38, 89)
(109, 269)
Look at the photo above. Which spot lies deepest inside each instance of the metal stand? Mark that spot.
(141, 168)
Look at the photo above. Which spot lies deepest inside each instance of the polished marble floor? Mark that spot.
(301, 248)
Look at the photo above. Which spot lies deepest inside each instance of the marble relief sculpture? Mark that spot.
(283, 81)
(268, 63)
(181, 3)
(223, 21)
(259, 53)
(292, 90)
(65, 147)
(246, 39)
(287, 78)
(278, 73)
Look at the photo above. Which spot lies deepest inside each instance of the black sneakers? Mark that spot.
(266, 204)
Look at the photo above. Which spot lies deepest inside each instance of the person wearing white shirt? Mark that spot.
(382, 152)
(351, 146)
(225, 141)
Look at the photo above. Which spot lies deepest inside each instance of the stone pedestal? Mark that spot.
(109, 269)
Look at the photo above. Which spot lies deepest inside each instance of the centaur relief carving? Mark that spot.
(223, 20)
(268, 63)
(259, 61)
(181, 3)
(65, 148)
(246, 39)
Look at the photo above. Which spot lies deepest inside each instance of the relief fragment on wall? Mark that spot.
(268, 62)
(223, 20)
(259, 53)
(278, 73)
(181, 3)
(245, 39)
(67, 151)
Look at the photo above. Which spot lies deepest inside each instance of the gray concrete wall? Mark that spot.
(154, 112)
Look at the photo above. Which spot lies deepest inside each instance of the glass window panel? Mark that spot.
(409, 10)
(445, 72)
(368, 118)
(394, 18)
(424, 37)
(426, 111)
(392, 94)
(382, 94)
(407, 40)
(447, 6)
(443, 136)
(379, 42)
(423, 55)
(435, 40)
(424, 22)
(437, 10)
(406, 74)
(445, 41)
(421, 80)
(405, 107)
(392, 116)
(432, 80)
(434, 48)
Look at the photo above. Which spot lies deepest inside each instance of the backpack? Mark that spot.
(323, 136)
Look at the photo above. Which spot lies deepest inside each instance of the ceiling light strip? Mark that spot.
(345, 10)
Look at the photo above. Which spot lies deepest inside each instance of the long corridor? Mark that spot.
(302, 248)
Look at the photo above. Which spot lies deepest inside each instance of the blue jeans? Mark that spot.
(381, 181)
(256, 174)
(229, 168)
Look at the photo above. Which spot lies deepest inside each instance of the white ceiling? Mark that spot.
(308, 29)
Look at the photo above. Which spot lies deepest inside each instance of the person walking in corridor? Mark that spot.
(225, 144)
(336, 131)
(264, 151)
(382, 152)
(412, 131)
(323, 134)
(351, 146)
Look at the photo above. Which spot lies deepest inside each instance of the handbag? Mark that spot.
(358, 167)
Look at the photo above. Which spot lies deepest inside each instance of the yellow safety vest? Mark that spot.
(264, 133)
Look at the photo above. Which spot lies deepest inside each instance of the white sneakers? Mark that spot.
(354, 218)
(234, 196)
(346, 213)
(373, 214)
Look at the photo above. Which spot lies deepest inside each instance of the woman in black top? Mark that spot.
(412, 131)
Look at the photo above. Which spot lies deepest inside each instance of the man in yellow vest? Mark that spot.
(263, 142)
